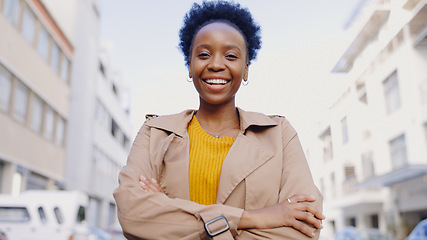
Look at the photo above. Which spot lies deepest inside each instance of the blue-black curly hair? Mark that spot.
(219, 11)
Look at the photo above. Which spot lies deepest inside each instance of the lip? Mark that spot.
(216, 84)
(216, 81)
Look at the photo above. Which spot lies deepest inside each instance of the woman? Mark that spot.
(219, 172)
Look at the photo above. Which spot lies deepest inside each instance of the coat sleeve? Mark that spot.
(296, 179)
(145, 215)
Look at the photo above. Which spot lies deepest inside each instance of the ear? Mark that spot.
(190, 75)
(245, 75)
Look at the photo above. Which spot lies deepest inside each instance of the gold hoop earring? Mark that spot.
(245, 82)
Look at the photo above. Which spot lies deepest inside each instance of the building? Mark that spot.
(35, 62)
(64, 117)
(373, 144)
(104, 136)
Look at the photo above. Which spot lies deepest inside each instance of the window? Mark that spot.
(36, 114)
(374, 221)
(81, 215)
(333, 190)
(112, 216)
(114, 88)
(14, 214)
(12, 9)
(368, 165)
(43, 43)
(20, 102)
(42, 215)
(36, 181)
(327, 145)
(58, 215)
(322, 185)
(351, 221)
(125, 141)
(349, 172)
(398, 151)
(425, 131)
(102, 69)
(55, 58)
(1, 171)
(5, 88)
(59, 132)
(361, 93)
(344, 130)
(28, 25)
(392, 93)
(65, 64)
(49, 123)
(114, 127)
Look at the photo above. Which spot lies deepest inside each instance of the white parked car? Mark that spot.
(44, 215)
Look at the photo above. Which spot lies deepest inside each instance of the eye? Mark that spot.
(203, 55)
(232, 56)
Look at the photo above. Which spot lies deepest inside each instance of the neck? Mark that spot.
(217, 119)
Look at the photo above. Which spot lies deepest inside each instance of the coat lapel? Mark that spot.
(243, 158)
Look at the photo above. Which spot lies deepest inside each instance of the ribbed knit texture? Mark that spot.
(207, 153)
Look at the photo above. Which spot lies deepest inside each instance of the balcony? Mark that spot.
(418, 24)
(373, 19)
(396, 176)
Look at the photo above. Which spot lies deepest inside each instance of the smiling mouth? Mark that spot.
(216, 81)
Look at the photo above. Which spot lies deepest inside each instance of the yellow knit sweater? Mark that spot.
(207, 153)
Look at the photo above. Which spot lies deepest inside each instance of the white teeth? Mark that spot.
(216, 81)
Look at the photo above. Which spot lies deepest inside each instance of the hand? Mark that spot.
(150, 185)
(297, 213)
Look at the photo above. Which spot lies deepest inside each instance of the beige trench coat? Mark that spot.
(265, 165)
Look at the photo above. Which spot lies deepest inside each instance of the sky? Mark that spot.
(301, 42)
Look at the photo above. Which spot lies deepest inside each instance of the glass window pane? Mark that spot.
(392, 93)
(65, 68)
(48, 123)
(36, 114)
(20, 102)
(14, 214)
(344, 129)
(11, 11)
(59, 138)
(5, 88)
(42, 215)
(58, 215)
(55, 57)
(43, 43)
(28, 25)
(81, 215)
(398, 151)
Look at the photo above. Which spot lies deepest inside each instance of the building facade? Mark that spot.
(35, 63)
(64, 113)
(374, 140)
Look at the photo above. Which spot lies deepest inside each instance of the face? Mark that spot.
(218, 63)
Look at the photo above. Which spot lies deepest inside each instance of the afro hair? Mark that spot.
(219, 11)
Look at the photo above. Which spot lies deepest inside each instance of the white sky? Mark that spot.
(302, 41)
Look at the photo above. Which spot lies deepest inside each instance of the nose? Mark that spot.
(216, 64)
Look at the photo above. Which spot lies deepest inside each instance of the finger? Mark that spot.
(305, 206)
(147, 185)
(302, 198)
(142, 178)
(308, 218)
(143, 186)
(155, 186)
(302, 227)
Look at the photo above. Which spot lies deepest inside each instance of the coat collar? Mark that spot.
(178, 123)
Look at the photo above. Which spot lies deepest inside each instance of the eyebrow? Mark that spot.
(226, 46)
